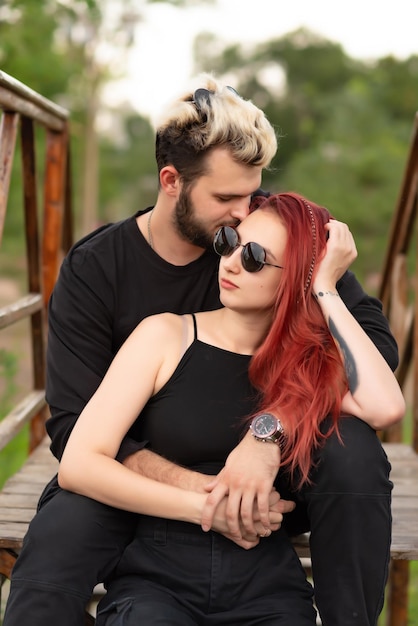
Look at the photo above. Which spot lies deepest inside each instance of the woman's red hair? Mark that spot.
(298, 368)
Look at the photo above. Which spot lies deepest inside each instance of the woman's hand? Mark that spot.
(245, 539)
(247, 482)
(340, 253)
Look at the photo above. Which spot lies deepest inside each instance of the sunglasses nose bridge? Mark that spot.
(235, 252)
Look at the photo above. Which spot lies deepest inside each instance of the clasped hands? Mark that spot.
(242, 503)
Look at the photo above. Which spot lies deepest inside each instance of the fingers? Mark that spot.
(211, 485)
(286, 506)
(211, 504)
(254, 507)
(340, 235)
(246, 542)
(233, 510)
(339, 255)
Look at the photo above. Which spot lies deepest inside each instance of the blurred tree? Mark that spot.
(65, 50)
(69, 50)
(394, 84)
(344, 125)
(131, 180)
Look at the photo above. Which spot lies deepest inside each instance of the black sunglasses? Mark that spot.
(202, 96)
(253, 256)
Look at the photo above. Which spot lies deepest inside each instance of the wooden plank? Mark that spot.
(18, 501)
(12, 424)
(401, 228)
(54, 199)
(8, 132)
(32, 235)
(18, 88)
(20, 309)
(10, 101)
(11, 535)
(17, 516)
(7, 560)
(398, 450)
(397, 597)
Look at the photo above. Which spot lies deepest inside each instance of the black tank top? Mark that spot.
(198, 416)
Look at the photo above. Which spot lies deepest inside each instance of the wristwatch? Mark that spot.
(266, 427)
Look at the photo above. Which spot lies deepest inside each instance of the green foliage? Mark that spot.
(13, 455)
(183, 3)
(344, 126)
(8, 371)
(128, 174)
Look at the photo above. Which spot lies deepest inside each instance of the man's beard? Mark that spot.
(186, 224)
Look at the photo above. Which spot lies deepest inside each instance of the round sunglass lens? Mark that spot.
(226, 240)
(253, 257)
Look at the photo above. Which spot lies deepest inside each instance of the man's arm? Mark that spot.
(78, 352)
(368, 313)
(152, 465)
(80, 342)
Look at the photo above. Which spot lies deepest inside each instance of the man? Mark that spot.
(211, 148)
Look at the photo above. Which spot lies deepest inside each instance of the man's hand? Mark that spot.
(247, 479)
(247, 540)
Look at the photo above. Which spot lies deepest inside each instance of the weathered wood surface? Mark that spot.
(405, 501)
(31, 405)
(19, 497)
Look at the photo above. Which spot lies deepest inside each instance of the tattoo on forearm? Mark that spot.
(349, 362)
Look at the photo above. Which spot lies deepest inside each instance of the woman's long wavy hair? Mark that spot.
(298, 368)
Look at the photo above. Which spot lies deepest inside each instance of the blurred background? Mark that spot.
(341, 88)
(339, 81)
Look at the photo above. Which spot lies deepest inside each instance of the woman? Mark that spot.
(284, 344)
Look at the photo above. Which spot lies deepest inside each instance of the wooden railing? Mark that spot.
(48, 230)
(399, 294)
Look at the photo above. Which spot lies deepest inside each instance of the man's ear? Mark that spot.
(170, 180)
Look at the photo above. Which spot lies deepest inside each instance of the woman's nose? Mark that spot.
(232, 263)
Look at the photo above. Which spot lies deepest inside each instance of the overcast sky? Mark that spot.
(161, 63)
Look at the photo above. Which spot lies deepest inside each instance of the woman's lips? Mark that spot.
(227, 284)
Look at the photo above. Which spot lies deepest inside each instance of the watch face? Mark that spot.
(265, 425)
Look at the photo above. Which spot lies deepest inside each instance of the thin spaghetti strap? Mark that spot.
(194, 325)
(185, 333)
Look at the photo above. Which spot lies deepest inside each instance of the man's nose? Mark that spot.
(241, 209)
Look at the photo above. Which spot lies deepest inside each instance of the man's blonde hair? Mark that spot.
(209, 115)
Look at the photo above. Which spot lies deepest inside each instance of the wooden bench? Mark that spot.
(20, 495)
(18, 501)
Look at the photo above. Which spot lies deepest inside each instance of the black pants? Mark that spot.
(74, 542)
(175, 574)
